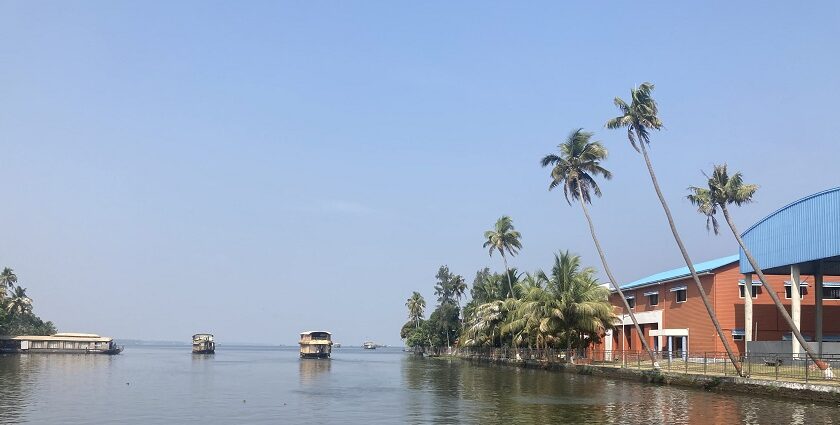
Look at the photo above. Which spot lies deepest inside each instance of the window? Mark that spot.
(803, 290)
(653, 298)
(631, 301)
(831, 290)
(738, 334)
(680, 293)
(756, 289)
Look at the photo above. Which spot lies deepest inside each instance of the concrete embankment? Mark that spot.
(717, 383)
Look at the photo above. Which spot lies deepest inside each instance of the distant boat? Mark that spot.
(203, 344)
(315, 344)
(337, 345)
(369, 345)
(65, 343)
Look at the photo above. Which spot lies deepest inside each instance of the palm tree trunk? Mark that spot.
(507, 272)
(614, 282)
(825, 367)
(688, 263)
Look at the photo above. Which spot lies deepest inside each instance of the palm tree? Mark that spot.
(723, 190)
(639, 117)
(575, 169)
(416, 306)
(8, 279)
(18, 303)
(443, 287)
(505, 239)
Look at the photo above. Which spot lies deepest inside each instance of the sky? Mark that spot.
(256, 169)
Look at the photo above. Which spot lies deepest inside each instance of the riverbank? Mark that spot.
(708, 382)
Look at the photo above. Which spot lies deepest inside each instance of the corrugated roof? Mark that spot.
(801, 232)
(681, 272)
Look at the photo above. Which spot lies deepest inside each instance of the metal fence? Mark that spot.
(770, 366)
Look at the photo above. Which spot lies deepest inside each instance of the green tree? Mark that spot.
(443, 325)
(443, 287)
(723, 190)
(639, 118)
(8, 279)
(416, 306)
(506, 240)
(574, 169)
(18, 303)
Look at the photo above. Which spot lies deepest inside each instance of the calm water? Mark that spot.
(148, 385)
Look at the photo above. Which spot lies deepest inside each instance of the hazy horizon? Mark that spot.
(258, 169)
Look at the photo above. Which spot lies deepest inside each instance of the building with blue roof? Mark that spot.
(797, 246)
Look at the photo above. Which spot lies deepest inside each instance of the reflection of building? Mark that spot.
(311, 368)
(798, 243)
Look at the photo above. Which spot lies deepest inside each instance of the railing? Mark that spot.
(770, 366)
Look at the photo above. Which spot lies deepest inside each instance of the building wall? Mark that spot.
(721, 286)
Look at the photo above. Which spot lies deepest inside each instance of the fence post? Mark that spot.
(704, 363)
(686, 363)
(669, 361)
(749, 364)
(777, 368)
(638, 361)
(724, 366)
(806, 369)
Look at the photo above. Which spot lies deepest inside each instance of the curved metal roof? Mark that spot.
(805, 232)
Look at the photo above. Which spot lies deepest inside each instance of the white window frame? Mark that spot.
(789, 285)
(651, 294)
(756, 285)
(676, 290)
(830, 285)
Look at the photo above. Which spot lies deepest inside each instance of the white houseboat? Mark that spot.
(203, 344)
(67, 343)
(315, 344)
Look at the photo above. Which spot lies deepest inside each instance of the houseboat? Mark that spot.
(203, 344)
(66, 343)
(369, 345)
(315, 345)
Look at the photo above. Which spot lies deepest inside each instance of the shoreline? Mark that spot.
(715, 383)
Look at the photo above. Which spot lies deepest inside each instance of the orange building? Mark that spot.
(672, 316)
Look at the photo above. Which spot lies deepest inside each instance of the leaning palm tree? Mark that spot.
(18, 303)
(8, 279)
(505, 239)
(575, 169)
(416, 306)
(724, 190)
(639, 117)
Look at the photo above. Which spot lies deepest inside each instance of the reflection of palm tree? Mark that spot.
(575, 169)
(504, 239)
(639, 117)
(723, 190)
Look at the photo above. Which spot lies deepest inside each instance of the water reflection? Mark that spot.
(445, 389)
(310, 369)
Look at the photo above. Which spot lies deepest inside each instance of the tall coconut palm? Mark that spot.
(443, 287)
(8, 279)
(416, 306)
(722, 190)
(506, 240)
(575, 169)
(18, 303)
(639, 118)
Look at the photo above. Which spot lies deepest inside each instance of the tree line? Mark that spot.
(568, 307)
(16, 316)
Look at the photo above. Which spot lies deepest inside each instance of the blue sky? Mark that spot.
(255, 169)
